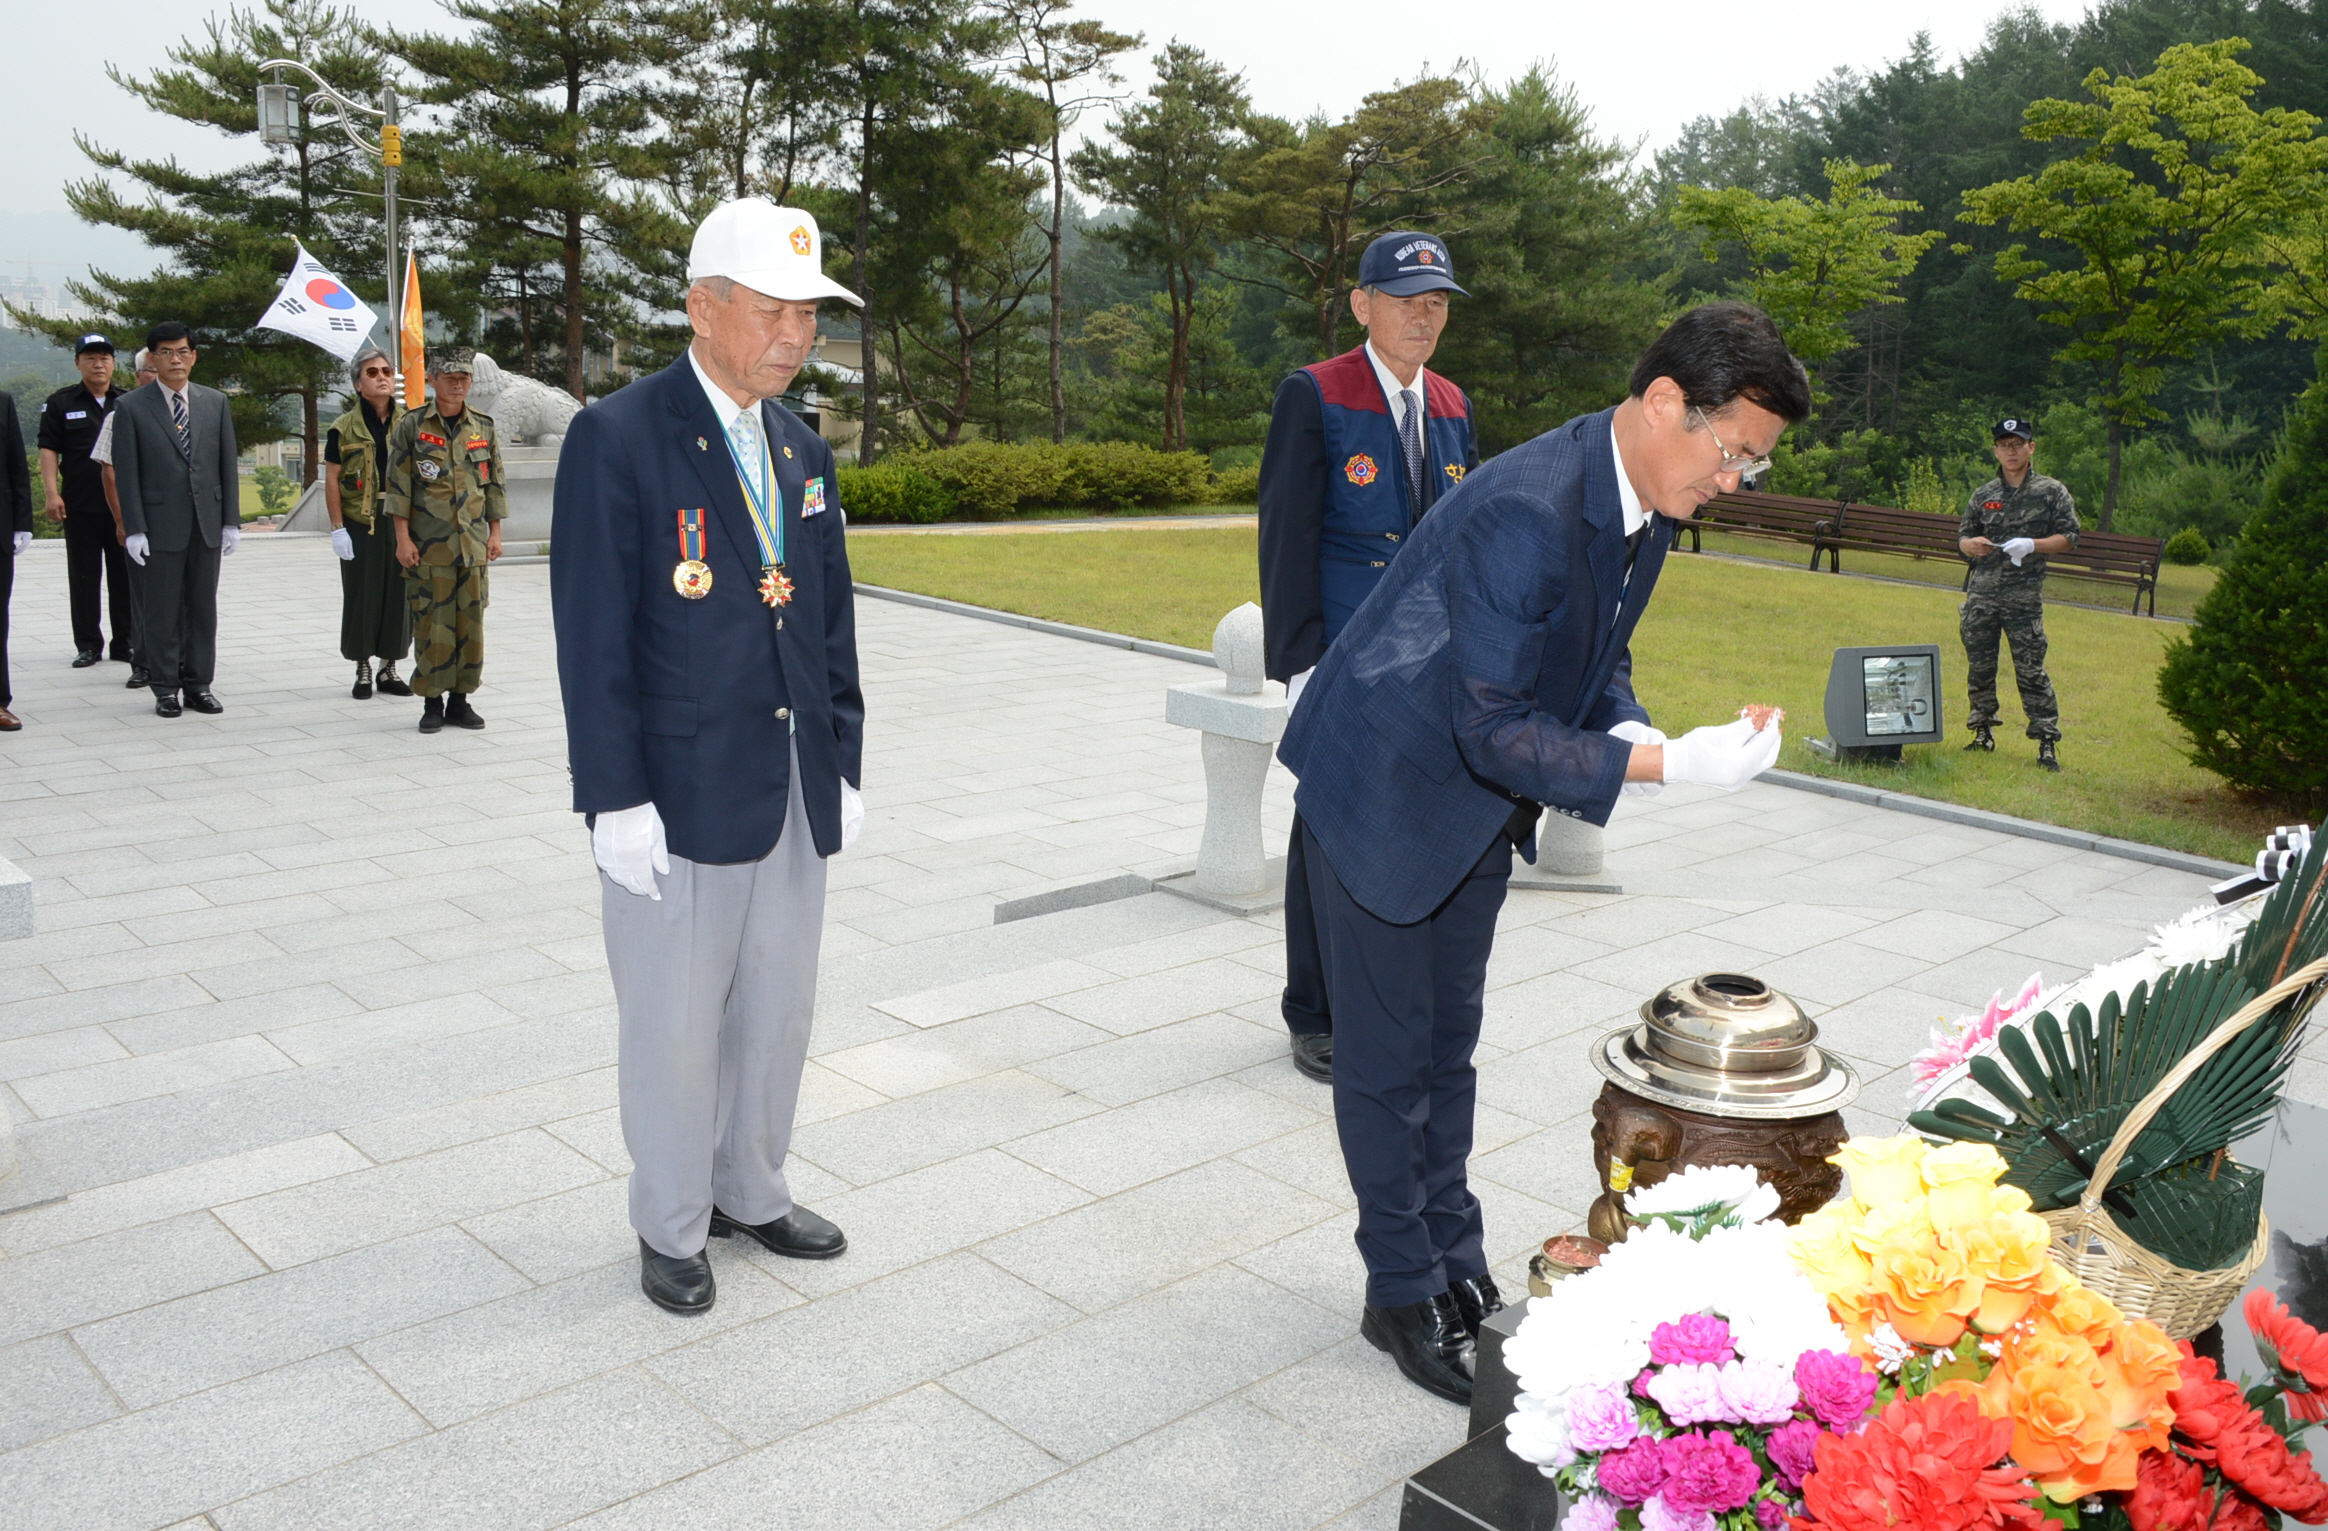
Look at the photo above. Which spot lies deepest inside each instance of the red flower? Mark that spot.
(2295, 1351)
(1925, 1464)
(2170, 1494)
(2221, 1429)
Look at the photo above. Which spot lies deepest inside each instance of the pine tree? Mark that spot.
(2250, 683)
(228, 239)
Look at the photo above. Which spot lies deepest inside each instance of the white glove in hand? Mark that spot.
(1725, 757)
(343, 545)
(229, 537)
(1639, 733)
(2017, 548)
(23, 541)
(852, 815)
(629, 846)
(136, 547)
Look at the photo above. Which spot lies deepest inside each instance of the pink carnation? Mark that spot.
(1657, 1515)
(1769, 1514)
(1708, 1472)
(1601, 1418)
(1790, 1447)
(1838, 1388)
(1696, 1340)
(1757, 1392)
(1594, 1512)
(1632, 1473)
(1691, 1395)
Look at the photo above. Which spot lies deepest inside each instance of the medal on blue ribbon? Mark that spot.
(765, 499)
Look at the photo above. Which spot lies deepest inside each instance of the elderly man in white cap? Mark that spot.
(708, 652)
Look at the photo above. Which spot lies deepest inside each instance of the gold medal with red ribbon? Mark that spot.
(692, 578)
(775, 587)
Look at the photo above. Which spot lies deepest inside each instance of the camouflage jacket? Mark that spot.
(444, 482)
(2040, 508)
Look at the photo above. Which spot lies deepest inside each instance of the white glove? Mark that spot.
(629, 846)
(852, 815)
(2017, 548)
(1724, 757)
(1293, 688)
(228, 536)
(343, 545)
(1639, 733)
(136, 547)
(23, 541)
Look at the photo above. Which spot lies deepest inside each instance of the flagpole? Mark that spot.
(391, 158)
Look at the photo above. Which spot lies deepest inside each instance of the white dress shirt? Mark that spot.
(1392, 388)
(1635, 516)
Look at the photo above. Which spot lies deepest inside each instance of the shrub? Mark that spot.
(1238, 486)
(1114, 475)
(276, 491)
(2187, 547)
(2246, 683)
(992, 478)
(893, 492)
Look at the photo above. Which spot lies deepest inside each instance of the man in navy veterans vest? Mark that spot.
(1488, 674)
(707, 649)
(1360, 447)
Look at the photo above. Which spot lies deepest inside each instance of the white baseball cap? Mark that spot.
(776, 251)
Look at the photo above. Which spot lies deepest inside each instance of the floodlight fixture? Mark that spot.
(1879, 699)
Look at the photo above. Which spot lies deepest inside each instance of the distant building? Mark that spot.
(31, 294)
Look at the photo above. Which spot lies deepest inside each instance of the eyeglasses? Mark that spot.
(1744, 467)
(378, 372)
(174, 353)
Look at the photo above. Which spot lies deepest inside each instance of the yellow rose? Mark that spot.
(1883, 1170)
(1894, 1222)
(1822, 1246)
(1962, 1180)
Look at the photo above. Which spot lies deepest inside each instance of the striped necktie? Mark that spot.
(1410, 441)
(185, 427)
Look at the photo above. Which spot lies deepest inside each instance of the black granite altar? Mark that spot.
(1481, 1486)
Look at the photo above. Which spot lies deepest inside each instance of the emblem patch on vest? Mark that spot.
(1360, 470)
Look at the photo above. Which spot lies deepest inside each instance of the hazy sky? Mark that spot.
(1643, 69)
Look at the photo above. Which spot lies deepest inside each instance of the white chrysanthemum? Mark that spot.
(2203, 935)
(1538, 1433)
(1736, 1190)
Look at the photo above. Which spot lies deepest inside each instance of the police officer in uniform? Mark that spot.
(2010, 524)
(375, 618)
(446, 495)
(94, 562)
(1359, 448)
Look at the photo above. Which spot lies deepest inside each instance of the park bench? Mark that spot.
(1881, 529)
(2114, 558)
(1778, 517)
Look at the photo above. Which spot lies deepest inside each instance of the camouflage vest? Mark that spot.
(362, 476)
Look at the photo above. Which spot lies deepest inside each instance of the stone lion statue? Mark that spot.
(526, 412)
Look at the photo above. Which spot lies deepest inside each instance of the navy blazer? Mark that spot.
(687, 702)
(1486, 669)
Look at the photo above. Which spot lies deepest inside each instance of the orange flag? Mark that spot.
(409, 346)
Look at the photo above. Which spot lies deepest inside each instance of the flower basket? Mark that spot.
(2094, 1248)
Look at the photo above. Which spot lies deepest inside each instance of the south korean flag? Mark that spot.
(317, 307)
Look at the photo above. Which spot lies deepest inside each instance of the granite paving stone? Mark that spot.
(46, 1388)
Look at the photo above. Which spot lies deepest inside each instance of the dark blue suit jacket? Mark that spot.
(676, 700)
(1484, 670)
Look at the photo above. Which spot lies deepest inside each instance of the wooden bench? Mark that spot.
(1881, 529)
(2113, 558)
(1777, 517)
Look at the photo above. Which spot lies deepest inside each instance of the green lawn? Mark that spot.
(2179, 585)
(1719, 634)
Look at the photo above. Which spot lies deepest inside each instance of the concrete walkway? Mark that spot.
(316, 1032)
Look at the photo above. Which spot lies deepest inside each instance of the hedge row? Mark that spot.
(986, 479)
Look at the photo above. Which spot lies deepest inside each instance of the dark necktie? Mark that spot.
(1410, 441)
(185, 427)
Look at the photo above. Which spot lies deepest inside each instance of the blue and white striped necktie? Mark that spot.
(185, 426)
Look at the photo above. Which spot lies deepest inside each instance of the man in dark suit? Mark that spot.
(707, 650)
(1489, 674)
(1360, 447)
(15, 535)
(181, 504)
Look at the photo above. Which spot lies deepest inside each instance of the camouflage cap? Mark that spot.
(451, 359)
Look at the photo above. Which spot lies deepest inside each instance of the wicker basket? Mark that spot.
(2093, 1248)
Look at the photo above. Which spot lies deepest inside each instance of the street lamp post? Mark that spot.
(277, 121)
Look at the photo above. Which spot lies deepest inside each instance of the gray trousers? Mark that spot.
(715, 985)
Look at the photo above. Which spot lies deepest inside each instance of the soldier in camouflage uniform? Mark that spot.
(445, 493)
(2010, 524)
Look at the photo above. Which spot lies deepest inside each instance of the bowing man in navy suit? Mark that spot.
(1487, 679)
(707, 651)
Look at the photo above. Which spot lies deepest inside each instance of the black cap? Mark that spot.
(1404, 264)
(93, 343)
(2014, 425)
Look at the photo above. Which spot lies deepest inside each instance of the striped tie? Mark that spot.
(185, 427)
(1410, 440)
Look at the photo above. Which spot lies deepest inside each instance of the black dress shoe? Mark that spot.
(1477, 1300)
(799, 1233)
(200, 699)
(138, 679)
(166, 704)
(1313, 1054)
(1429, 1343)
(85, 658)
(676, 1285)
(389, 684)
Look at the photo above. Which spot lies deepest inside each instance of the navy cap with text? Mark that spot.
(2014, 425)
(93, 343)
(1403, 264)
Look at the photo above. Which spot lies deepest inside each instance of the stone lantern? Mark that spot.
(1720, 1069)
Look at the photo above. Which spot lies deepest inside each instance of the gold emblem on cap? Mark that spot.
(800, 240)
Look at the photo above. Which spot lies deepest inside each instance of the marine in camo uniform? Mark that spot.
(445, 493)
(2010, 524)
